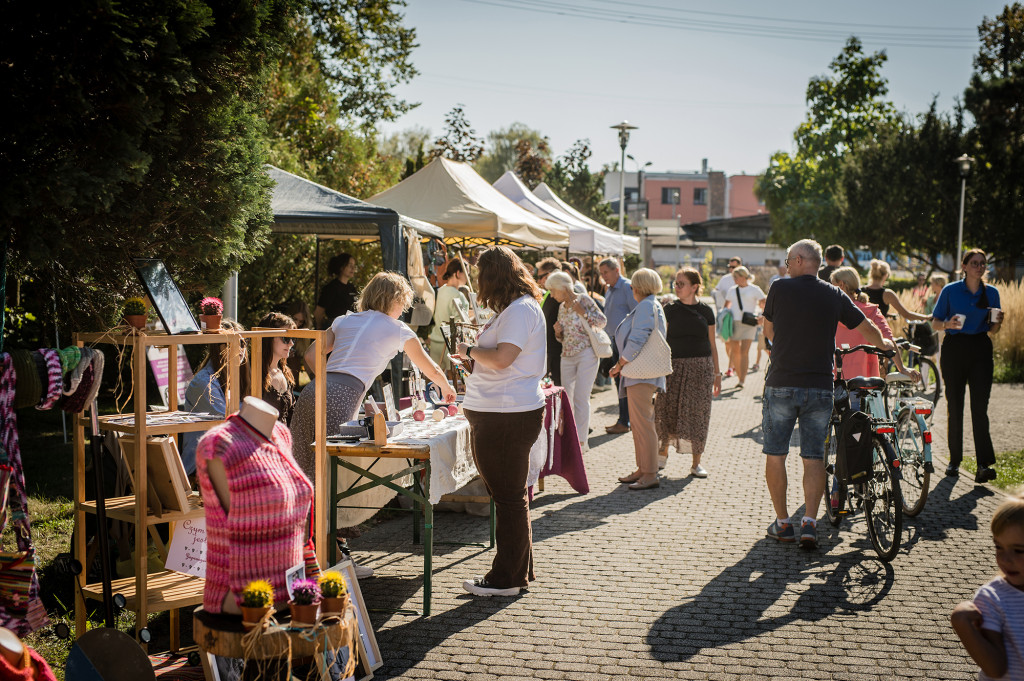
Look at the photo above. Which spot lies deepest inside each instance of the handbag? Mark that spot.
(654, 359)
(749, 318)
(599, 340)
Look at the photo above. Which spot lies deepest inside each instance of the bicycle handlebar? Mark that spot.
(904, 343)
(870, 349)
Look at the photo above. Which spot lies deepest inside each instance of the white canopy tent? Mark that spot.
(583, 238)
(630, 244)
(453, 196)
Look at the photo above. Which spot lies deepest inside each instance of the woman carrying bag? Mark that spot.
(743, 300)
(644, 362)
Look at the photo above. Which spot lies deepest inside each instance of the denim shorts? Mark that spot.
(781, 408)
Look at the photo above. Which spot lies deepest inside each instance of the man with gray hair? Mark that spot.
(800, 319)
(618, 302)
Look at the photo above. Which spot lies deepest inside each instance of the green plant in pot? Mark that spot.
(135, 312)
(304, 603)
(335, 593)
(257, 601)
(211, 312)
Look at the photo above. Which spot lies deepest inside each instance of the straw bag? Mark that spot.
(654, 359)
(599, 340)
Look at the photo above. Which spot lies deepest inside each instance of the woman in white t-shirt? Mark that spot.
(505, 408)
(743, 297)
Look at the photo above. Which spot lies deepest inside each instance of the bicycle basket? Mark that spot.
(925, 338)
(855, 446)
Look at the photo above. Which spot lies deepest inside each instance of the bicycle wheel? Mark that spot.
(930, 387)
(835, 490)
(883, 505)
(910, 449)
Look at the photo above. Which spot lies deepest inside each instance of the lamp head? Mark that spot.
(964, 163)
(624, 127)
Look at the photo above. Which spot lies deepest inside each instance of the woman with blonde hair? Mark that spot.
(648, 317)
(683, 413)
(579, 364)
(884, 297)
(742, 298)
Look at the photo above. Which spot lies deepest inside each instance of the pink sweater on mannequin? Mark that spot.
(268, 524)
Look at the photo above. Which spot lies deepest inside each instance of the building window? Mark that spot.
(670, 195)
(700, 196)
(632, 193)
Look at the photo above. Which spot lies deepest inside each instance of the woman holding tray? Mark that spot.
(505, 408)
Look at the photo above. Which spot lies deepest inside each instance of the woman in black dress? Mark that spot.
(278, 380)
(684, 411)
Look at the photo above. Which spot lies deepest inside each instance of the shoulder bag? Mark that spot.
(599, 340)
(655, 357)
(749, 318)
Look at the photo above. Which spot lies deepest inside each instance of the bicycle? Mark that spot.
(930, 386)
(913, 438)
(879, 494)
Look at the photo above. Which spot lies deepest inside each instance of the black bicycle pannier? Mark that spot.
(925, 338)
(855, 446)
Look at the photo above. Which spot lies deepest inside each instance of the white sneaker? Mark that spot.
(363, 571)
(479, 587)
(698, 471)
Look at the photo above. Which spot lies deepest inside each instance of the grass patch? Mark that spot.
(1007, 373)
(1009, 470)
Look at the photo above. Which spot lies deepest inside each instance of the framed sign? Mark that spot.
(369, 653)
(170, 305)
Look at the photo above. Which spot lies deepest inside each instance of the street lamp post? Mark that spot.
(641, 207)
(624, 127)
(964, 164)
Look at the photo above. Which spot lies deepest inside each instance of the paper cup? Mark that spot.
(961, 318)
(993, 312)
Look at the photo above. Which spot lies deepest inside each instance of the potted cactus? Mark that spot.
(211, 312)
(334, 592)
(135, 312)
(304, 603)
(257, 601)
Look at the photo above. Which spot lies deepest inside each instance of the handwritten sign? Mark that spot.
(187, 552)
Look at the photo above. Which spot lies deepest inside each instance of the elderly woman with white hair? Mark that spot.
(646, 319)
(576, 312)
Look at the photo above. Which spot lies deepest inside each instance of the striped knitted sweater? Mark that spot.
(267, 526)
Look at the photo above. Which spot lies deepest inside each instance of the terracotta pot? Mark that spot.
(334, 607)
(136, 320)
(253, 615)
(303, 615)
(211, 322)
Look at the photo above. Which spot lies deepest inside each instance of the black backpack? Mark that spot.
(856, 447)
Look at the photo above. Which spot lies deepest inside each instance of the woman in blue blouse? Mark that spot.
(968, 310)
(632, 333)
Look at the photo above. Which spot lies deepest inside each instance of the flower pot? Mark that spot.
(137, 321)
(303, 615)
(252, 616)
(334, 606)
(210, 322)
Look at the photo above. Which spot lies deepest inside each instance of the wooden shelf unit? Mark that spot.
(146, 593)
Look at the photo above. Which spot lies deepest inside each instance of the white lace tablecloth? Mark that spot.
(451, 458)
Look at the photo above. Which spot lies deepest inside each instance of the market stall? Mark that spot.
(630, 244)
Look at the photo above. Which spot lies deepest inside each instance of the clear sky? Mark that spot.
(723, 81)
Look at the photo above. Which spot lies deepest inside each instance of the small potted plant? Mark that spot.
(135, 312)
(304, 603)
(211, 312)
(334, 592)
(257, 601)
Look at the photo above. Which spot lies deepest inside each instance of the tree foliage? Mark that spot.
(845, 109)
(134, 130)
(533, 161)
(501, 149)
(571, 179)
(459, 141)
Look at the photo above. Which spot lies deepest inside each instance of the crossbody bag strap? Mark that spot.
(739, 298)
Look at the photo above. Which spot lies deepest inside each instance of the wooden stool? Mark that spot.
(221, 635)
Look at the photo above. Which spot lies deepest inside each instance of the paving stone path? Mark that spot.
(680, 582)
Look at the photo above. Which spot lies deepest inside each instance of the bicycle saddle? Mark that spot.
(865, 383)
(897, 377)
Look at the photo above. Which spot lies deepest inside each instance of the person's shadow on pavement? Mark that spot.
(942, 512)
(742, 601)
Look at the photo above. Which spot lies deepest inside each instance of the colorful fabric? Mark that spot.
(575, 337)
(97, 376)
(75, 377)
(54, 378)
(75, 402)
(17, 502)
(70, 357)
(31, 667)
(264, 534)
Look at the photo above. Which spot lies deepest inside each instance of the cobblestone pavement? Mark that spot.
(680, 582)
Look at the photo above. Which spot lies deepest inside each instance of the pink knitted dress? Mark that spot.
(268, 525)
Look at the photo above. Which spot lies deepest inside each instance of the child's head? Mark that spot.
(1008, 534)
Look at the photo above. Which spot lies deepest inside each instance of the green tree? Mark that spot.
(532, 161)
(901, 191)
(501, 149)
(571, 179)
(459, 141)
(995, 98)
(134, 130)
(364, 52)
(845, 109)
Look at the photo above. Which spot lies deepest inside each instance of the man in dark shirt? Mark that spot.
(339, 295)
(834, 255)
(800, 319)
(550, 308)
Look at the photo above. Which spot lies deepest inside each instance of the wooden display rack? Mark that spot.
(146, 592)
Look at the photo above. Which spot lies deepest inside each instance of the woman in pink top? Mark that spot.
(861, 363)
